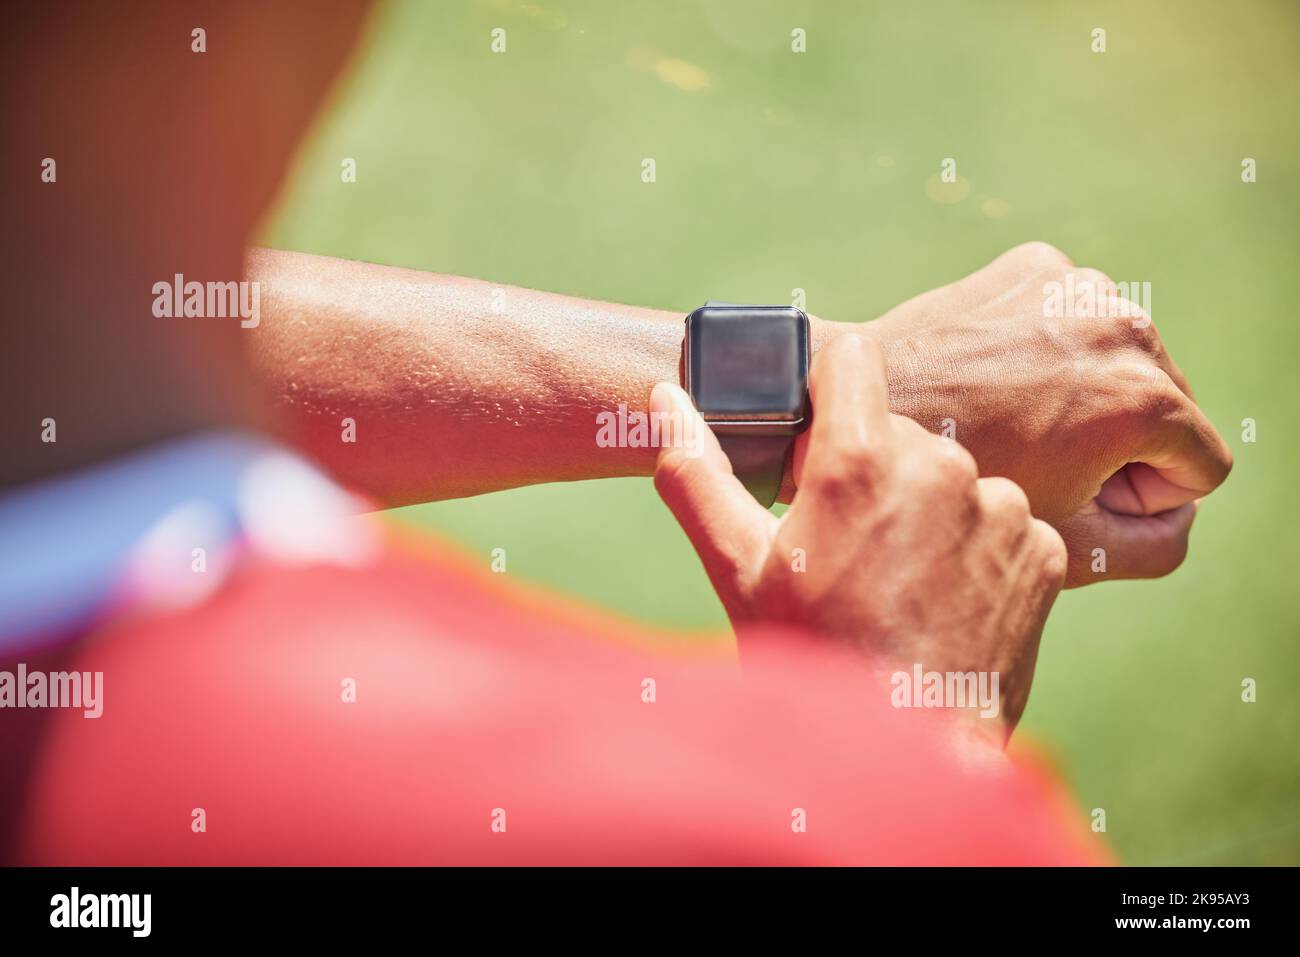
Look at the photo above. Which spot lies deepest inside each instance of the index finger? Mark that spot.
(850, 398)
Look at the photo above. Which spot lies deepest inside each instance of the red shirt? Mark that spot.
(491, 724)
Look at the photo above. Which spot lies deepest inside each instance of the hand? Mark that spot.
(906, 554)
(1090, 416)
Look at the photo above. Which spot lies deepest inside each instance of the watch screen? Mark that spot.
(749, 363)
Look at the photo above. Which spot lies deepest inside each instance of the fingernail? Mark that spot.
(667, 397)
(682, 425)
(661, 400)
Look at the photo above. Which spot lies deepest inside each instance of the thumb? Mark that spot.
(1104, 544)
(730, 531)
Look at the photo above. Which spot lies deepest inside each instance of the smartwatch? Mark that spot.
(746, 370)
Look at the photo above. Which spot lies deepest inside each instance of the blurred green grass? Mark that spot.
(778, 171)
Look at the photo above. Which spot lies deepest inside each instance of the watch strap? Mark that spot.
(759, 462)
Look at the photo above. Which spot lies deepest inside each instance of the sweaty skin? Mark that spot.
(455, 390)
(1090, 416)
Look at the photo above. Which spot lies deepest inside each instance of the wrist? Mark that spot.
(647, 351)
(907, 366)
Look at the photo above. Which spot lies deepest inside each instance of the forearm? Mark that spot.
(456, 386)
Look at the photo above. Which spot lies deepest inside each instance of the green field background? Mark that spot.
(778, 170)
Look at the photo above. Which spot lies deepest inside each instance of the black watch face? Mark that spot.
(749, 364)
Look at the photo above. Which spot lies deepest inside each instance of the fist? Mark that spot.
(1052, 379)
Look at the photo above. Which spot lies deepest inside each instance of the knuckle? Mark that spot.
(671, 472)
(845, 475)
(1055, 556)
(1161, 398)
(1094, 276)
(906, 431)
(1040, 254)
(1103, 286)
(957, 462)
(934, 469)
(943, 482)
(1135, 398)
(944, 468)
(1137, 319)
(856, 456)
(1142, 393)
(1129, 322)
(1004, 498)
